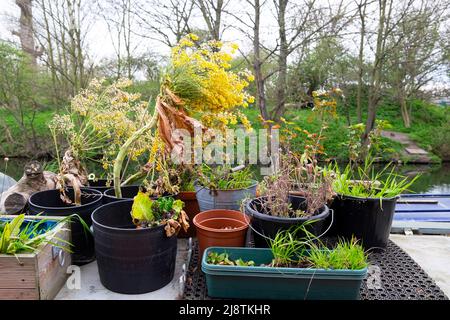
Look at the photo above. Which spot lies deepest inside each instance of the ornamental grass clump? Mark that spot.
(368, 182)
(224, 177)
(20, 236)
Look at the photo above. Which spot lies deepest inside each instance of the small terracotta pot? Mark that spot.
(191, 208)
(221, 228)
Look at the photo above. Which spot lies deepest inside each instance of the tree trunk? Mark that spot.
(375, 86)
(257, 64)
(26, 33)
(405, 112)
(362, 14)
(282, 61)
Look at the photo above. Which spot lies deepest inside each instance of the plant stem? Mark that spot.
(118, 163)
(133, 178)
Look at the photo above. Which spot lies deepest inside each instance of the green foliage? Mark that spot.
(224, 260)
(17, 237)
(287, 248)
(142, 209)
(290, 250)
(347, 255)
(223, 178)
(23, 95)
(152, 212)
(368, 182)
(375, 145)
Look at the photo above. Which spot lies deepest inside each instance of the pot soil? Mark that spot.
(220, 227)
(264, 282)
(191, 208)
(266, 226)
(131, 260)
(368, 219)
(209, 199)
(49, 203)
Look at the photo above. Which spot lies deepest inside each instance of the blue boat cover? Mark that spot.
(423, 207)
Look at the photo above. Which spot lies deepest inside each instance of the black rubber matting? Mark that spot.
(401, 278)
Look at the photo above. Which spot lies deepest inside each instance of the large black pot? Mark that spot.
(128, 192)
(49, 203)
(368, 219)
(131, 260)
(267, 226)
(100, 185)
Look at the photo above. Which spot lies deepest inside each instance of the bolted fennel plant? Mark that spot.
(198, 83)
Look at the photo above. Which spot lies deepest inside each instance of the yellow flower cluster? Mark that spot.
(220, 89)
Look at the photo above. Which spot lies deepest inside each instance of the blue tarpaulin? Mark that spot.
(423, 207)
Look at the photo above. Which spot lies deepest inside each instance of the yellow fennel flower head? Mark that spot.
(202, 78)
(193, 36)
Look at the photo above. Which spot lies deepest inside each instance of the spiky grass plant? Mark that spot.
(367, 182)
(18, 236)
(347, 254)
(223, 177)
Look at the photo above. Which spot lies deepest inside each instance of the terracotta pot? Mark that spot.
(191, 208)
(220, 228)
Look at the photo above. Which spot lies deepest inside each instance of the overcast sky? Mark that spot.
(100, 42)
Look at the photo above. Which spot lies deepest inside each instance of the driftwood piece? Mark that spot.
(34, 179)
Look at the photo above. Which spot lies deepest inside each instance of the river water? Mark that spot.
(434, 178)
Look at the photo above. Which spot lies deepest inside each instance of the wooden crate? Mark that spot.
(35, 276)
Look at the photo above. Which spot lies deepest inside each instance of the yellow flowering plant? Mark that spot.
(198, 90)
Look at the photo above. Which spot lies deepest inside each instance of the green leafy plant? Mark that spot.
(19, 236)
(147, 212)
(224, 259)
(367, 182)
(224, 177)
(287, 248)
(347, 255)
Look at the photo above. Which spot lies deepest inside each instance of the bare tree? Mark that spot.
(61, 29)
(389, 17)
(308, 23)
(165, 21)
(249, 24)
(362, 7)
(120, 22)
(417, 54)
(212, 11)
(26, 30)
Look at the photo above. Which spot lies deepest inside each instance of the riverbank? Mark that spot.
(429, 131)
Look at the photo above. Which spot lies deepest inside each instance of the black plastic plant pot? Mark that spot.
(100, 184)
(266, 226)
(128, 192)
(131, 260)
(368, 219)
(49, 203)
